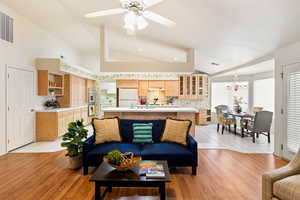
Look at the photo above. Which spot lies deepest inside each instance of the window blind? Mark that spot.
(293, 111)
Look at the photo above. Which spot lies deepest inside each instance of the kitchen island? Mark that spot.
(153, 113)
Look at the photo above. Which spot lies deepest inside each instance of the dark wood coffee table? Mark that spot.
(108, 177)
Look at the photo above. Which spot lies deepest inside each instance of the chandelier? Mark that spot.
(236, 85)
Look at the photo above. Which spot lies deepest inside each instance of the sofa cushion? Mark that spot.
(176, 131)
(165, 151)
(127, 130)
(101, 150)
(142, 133)
(287, 188)
(106, 130)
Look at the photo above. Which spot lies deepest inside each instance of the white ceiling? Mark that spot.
(231, 32)
(267, 66)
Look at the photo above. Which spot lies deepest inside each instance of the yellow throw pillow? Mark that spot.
(176, 131)
(106, 130)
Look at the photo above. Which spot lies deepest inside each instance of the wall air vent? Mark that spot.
(6, 28)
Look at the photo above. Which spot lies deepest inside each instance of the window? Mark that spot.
(263, 94)
(223, 94)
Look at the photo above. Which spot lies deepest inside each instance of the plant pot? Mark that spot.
(75, 162)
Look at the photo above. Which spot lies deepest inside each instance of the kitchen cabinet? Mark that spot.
(193, 86)
(51, 125)
(75, 92)
(203, 117)
(50, 83)
(143, 88)
(156, 84)
(127, 84)
(171, 88)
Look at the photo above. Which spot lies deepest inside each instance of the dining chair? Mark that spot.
(261, 125)
(245, 121)
(224, 119)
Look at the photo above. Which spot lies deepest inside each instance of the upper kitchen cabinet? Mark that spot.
(156, 84)
(50, 83)
(127, 84)
(75, 91)
(171, 88)
(193, 86)
(143, 88)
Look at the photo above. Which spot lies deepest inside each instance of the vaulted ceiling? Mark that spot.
(229, 32)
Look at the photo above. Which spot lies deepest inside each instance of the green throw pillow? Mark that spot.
(142, 133)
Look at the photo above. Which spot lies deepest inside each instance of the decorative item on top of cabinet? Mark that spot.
(143, 88)
(50, 83)
(127, 84)
(172, 88)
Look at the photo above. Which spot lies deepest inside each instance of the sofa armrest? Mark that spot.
(193, 147)
(269, 178)
(88, 146)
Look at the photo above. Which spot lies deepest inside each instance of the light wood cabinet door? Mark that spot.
(182, 87)
(60, 121)
(127, 84)
(156, 84)
(84, 116)
(77, 114)
(143, 88)
(68, 117)
(193, 80)
(172, 88)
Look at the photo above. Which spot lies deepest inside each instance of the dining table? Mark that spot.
(242, 116)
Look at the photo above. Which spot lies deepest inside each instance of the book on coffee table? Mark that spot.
(151, 170)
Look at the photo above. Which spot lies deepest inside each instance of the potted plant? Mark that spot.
(73, 141)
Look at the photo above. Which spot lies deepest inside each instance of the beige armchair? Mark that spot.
(283, 183)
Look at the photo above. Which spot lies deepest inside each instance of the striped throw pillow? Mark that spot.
(142, 133)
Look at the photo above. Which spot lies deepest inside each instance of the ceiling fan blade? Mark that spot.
(158, 19)
(115, 11)
(150, 3)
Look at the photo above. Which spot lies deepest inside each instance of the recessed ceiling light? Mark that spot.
(175, 58)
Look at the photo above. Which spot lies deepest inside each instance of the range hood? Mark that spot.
(156, 89)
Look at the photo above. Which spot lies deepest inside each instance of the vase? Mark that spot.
(75, 162)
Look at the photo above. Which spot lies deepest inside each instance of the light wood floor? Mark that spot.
(222, 175)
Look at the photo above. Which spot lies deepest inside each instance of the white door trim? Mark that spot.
(284, 152)
(7, 66)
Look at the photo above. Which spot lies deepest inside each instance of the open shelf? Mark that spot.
(50, 83)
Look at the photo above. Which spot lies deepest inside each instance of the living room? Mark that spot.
(149, 99)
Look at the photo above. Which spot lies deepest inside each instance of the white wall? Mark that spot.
(91, 60)
(263, 94)
(30, 42)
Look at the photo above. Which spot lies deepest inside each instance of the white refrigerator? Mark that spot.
(128, 97)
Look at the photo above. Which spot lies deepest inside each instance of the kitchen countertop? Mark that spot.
(62, 109)
(154, 109)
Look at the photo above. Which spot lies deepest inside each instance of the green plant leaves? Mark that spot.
(73, 139)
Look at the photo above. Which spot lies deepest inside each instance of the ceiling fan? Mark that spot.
(135, 14)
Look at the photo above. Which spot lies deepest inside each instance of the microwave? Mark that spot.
(91, 95)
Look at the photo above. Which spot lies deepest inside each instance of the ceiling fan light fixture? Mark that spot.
(133, 21)
(141, 22)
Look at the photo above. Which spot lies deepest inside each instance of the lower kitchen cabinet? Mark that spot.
(52, 125)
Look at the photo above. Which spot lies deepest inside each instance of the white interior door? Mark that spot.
(20, 113)
(291, 101)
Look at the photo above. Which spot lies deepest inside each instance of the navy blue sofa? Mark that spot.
(176, 154)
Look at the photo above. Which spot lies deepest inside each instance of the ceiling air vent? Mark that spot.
(6, 28)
